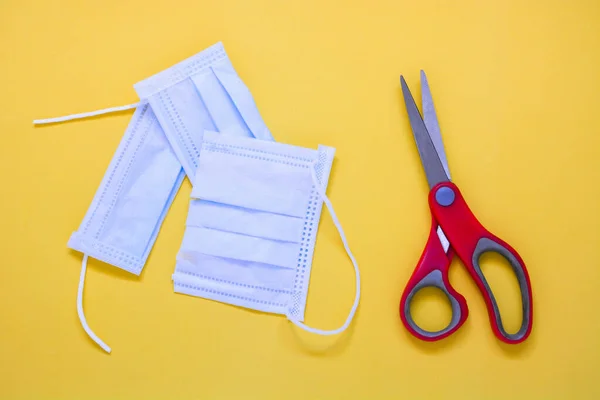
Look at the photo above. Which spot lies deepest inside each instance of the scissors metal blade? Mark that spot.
(434, 169)
(431, 121)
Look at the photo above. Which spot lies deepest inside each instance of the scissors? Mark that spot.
(454, 231)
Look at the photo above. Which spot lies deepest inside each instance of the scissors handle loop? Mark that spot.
(470, 240)
(432, 271)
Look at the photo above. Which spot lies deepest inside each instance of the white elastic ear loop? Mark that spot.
(82, 319)
(87, 114)
(337, 224)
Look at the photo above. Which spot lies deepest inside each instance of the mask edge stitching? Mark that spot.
(308, 160)
(229, 295)
(257, 158)
(283, 291)
(302, 287)
(178, 128)
(132, 264)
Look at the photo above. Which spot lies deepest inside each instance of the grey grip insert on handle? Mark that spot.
(485, 245)
(433, 279)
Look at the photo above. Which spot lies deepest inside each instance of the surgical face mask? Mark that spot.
(177, 105)
(252, 225)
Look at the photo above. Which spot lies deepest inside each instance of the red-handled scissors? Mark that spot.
(454, 231)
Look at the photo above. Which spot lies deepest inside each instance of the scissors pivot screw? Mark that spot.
(444, 196)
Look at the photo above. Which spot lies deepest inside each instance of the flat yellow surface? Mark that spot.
(517, 93)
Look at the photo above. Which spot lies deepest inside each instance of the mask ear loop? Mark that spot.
(87, 114)
(82, 319)
(337, 224)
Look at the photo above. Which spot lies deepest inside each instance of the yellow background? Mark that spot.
(516, 88)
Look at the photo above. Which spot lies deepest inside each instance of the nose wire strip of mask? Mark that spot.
(80, 313)
(338, 225)
(87, 114)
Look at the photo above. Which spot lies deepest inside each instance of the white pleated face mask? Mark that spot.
(252, 225)
(178, 104)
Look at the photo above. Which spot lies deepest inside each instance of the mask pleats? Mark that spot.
(251, 182)
(242, 99)
(242, 247)
(234, 272)
(244, 221)
(223, 112)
